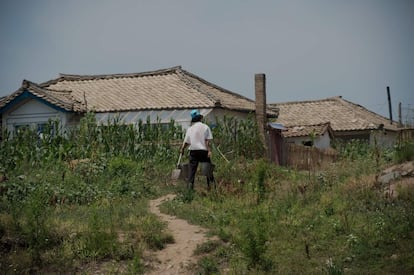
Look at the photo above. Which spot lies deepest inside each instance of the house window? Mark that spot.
(38, 128)
(41, 127)
(21, 128)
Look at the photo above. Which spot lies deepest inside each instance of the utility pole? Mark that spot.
(261, 111)
(389, 103)
(399, 115)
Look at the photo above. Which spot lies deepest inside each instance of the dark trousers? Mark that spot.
(197, 156)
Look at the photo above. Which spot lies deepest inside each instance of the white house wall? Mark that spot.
(321, 142)
(181, 117)
(31, 113)
(221, 113)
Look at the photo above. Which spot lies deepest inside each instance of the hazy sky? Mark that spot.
(308, 49)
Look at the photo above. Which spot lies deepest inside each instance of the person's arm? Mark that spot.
(208, 147)
(186, 142)
(185, 145)
(208, 140)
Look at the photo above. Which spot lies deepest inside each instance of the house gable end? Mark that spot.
(31, 106)
(27, 95)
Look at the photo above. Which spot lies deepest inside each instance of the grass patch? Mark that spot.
(334, 221)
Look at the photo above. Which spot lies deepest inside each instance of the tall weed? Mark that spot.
(238, 138)
(253, 240)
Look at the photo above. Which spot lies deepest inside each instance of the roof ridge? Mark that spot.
(76, 77)
(26, 84)
(307, 101)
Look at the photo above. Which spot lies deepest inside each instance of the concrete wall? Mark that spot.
(383, 138)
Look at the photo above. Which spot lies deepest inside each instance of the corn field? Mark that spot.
(93, 179)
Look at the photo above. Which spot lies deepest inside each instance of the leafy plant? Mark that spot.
(208, 265)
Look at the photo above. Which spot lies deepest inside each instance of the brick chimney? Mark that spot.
(261, 116)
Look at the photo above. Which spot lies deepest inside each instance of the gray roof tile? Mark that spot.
(343, 115)
(172, 88)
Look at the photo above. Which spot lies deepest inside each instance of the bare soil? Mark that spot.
(177, 258)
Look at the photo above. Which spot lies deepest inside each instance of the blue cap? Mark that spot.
(195, 113)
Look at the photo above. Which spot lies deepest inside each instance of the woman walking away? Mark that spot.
(198, 137)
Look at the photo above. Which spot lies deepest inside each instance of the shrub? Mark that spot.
(404, 152)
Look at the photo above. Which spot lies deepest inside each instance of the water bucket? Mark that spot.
(206, 168)
(185, 171)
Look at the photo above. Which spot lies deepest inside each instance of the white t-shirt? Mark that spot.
(196, 136)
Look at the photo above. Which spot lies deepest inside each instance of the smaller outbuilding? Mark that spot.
(346, 120)
(319, 135)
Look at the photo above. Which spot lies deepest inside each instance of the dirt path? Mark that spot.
(177, 258)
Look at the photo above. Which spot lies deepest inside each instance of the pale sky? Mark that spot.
(308, 49)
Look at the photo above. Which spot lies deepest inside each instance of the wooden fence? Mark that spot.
(406, 135)
(308, 158)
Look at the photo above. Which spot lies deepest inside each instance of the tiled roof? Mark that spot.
(306, 130)
(61, 99)
(172, 88)
(343, 115)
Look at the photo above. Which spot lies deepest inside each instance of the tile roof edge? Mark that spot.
(324, 127)
(190, 107)
(391, 126)
(186, 78)
(213, 85)
(315, 124)
(344, 102)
